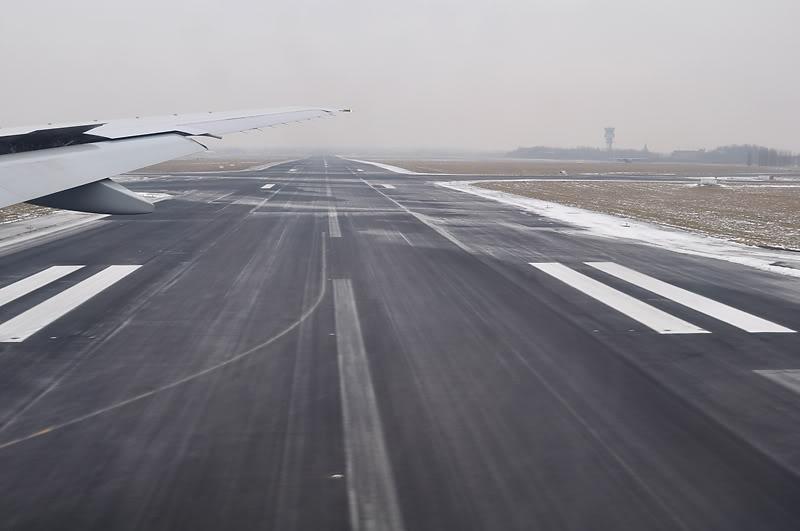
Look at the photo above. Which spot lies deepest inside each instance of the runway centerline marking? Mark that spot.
(653, 318)
(333, 224)
(788, 378)
(31, 321)
(268, 186)
(712, 308)
(372, 494)
(27, 285)
(388, 186)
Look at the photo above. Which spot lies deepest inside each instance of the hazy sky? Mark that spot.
(420, 74)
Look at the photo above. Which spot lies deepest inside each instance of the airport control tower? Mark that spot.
(610, 138)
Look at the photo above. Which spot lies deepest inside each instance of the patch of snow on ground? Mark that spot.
(155, 197)
(389, 167)
(609, 226)
(20, 232)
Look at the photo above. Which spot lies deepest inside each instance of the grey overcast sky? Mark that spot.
(433, 74)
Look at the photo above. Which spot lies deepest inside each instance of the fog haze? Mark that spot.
(459, 75)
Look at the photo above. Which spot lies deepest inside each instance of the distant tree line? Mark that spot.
(750, 155)
(578, 153)
(745, 154)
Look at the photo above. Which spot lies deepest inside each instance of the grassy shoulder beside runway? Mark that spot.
(22, 212)
(753, 214)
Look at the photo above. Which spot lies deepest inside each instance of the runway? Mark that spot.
(327, 345)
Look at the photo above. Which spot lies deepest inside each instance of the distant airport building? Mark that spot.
(610, 138)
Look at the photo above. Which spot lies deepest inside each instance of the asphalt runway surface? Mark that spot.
(327, 345)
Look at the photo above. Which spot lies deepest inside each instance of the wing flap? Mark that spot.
(100, 197)
(34, 174)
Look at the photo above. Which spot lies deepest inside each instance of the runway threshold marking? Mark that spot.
(268, 186)
(31, 321)
(712, 308)
(242, 355)
(371, 489)
(334, 230)
(653, 318)
(29, 284)
(788, 378)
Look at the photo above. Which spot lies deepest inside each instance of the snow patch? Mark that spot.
(389, 167)
(609, 226)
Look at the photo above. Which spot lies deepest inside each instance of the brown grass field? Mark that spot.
(754, 214)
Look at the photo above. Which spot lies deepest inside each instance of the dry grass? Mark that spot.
(764, 215)
(22, 211)
(533, 168)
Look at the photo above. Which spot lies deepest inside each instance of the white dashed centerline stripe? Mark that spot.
(388, 186)
(268, 186)
(333, 224)
(29, 322)
(712, 308)
(32, 283)
(660, 321)
(371, 490)
(788, 378)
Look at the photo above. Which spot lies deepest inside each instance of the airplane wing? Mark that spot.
(69, 165)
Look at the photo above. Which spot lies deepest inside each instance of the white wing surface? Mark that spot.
(69, 165)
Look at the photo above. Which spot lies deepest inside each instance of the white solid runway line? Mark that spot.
(371, 489)
(29, 284)
(653, 318)
(31, 321)
(712, 308)
(333, 224)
